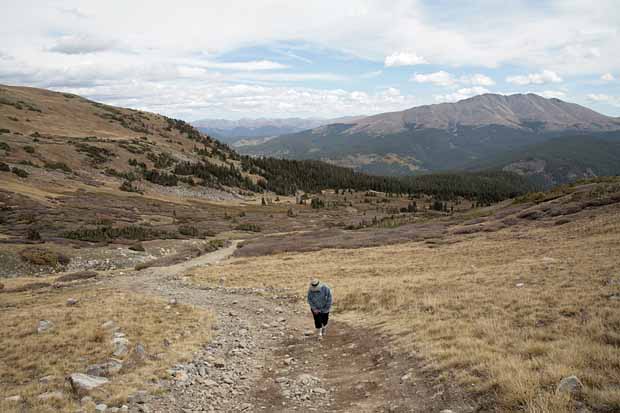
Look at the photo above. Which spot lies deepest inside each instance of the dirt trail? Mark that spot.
(262, 360)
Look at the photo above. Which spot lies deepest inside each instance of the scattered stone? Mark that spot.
(120, 344)
(86, 400)
(102, 407)
(47, 379)
(44, 325)
(308, 333)
(51, 395)
(245, 406)
(138, 397)
(173, 301)
(571, 385)
(219, 363)
(209, 383)
(107, 369)
(319, 390)
(447, 411)
(519, 285)
(83, 383)
(140, 352)
(406, 377)
(72, 301)
(108, 325)
(13, 399)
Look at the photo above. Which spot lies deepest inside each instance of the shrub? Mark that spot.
(127, 186)
(33, 235)
(29, 149)
(317, 203)
(4, 130)
(61, 166)
(96, 154)
(5, 146)
(106, 233)
(43, 256)
(248, 227)
(20, 172)
(4, 167)
(189, 231)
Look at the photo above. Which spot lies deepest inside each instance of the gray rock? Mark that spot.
(219, 363)
(44, 325)
(140, 351)
(102, 407)
(51, 395)
(72, 301)
(109, 325)
(138, 397)
(81, 383)
(107, 369)
(120, 344)
(47, 379)
(173, 301)
(319, 390)
(571, 385)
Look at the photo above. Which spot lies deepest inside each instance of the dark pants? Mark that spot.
(320, 319)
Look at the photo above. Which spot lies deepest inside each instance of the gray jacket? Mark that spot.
(320, 300)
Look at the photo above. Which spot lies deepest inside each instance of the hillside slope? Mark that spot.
(561, 160)
(439, 137)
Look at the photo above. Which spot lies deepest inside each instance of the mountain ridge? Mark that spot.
(439, 137)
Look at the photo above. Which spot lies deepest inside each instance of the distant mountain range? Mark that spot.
(445, 136)
(248, 131)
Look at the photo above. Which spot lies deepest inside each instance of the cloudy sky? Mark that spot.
(281, 58)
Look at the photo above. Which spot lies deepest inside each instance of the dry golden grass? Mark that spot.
(78, 340)
(459, 306)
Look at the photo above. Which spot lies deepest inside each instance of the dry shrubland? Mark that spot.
(78, 340)
(508, 313)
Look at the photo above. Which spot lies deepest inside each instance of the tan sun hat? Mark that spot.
(315, 285)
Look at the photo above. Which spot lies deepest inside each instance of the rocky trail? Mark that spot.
(265, 357)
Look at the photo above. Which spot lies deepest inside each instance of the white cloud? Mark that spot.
(546, 76)
(477, 79)
(249, 66)
(608, 77)
(440, 78)
(603, 98)
(81, 45)
(404, 59)
(461, 94)
(443, 78)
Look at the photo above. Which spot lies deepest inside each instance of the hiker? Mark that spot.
(320, 300)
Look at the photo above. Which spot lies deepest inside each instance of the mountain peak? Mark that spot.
(515, 111)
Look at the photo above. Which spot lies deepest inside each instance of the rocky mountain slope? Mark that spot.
(440, 137)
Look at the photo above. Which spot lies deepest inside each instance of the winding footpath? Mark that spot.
(262, 359)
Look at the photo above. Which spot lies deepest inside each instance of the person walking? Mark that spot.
(320, 301)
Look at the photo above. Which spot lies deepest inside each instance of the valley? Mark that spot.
(147, 267)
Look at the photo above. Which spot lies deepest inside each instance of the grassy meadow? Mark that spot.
(78, 340)
(507, 313)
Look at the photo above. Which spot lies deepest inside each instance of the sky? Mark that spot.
(236, 59)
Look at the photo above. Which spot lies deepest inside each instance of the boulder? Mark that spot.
(106, 369)
(571, 385)
(83, 383)
(44, 325)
